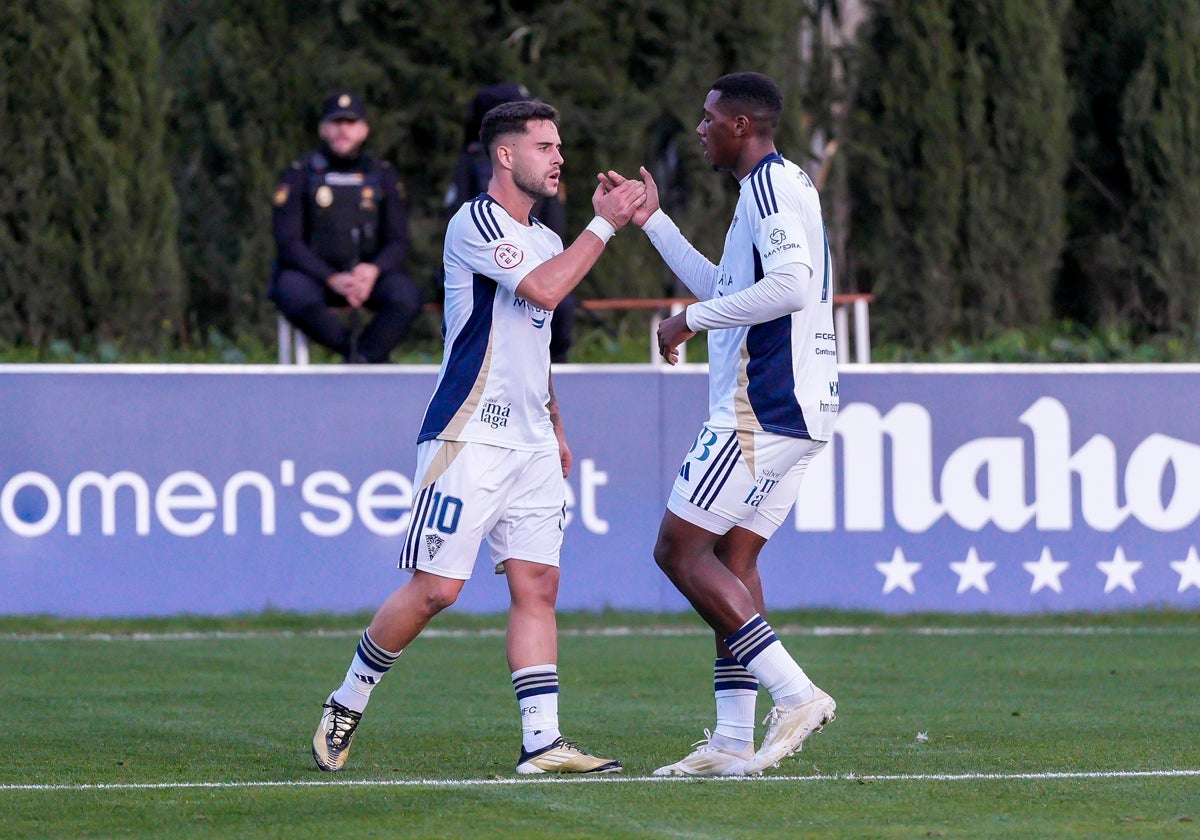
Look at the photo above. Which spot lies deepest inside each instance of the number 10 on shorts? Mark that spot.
(444, 512)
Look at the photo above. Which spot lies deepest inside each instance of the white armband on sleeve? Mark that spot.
(782, 292)
(688, 264)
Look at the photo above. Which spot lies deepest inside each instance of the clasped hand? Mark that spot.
(355, 285)
(619, 203)
(673, 331)
(612, 181)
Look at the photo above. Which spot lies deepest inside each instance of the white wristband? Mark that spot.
(602, 227)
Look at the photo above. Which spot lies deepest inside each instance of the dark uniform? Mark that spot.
(473, 171)
(329, 215)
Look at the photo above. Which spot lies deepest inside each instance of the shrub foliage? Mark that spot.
(999, 165)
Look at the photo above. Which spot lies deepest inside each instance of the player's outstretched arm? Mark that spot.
(553, 280)
(784, 290)
(696, 271)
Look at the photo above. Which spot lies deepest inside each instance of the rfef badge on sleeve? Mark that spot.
(508, 255)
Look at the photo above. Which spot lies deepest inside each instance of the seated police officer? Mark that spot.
(341, 232)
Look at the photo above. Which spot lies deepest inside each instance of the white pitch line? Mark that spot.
(619, 632)
(454, 783)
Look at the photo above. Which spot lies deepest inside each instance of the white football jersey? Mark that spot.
(493, 384)
(779, 376)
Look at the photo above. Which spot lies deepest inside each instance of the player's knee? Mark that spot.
(438, 594)
(665, 555)
(537, 586)
(545, 592)
(743, 567)
(441, 598)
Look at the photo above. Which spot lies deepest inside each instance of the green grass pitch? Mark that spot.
(1075, 726)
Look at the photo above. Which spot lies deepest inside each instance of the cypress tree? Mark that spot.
(958, 153)
(34, 246)
(906, 166)
(247, 80)
(1013, 102)
(1105, 41)
(1161, 142)
(88, 248)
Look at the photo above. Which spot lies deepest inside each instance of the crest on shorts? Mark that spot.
(433, 544)
(281, 195)
(368, 199)
(324, 196)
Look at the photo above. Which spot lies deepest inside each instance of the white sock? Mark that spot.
(369, 665)
(537, 696)
(736, 693)
(756, 646)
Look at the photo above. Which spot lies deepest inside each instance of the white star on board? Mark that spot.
(972, 574)
(898, 573)
(1188, 570)
(1119, 572)
(1046, 572)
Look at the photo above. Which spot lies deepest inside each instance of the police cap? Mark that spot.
(343, 105)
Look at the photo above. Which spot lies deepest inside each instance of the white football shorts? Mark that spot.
(747, 479)
(472, 491)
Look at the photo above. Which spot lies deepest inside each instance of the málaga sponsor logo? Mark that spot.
(495, 415)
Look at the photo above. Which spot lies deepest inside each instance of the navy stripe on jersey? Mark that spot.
(764, 190)
(710, 484)
(753, 638)
(770, 380)
(539, 682)
(420, 509)
(827, 280)
(483, 215)
(730, 675)
(465, 362)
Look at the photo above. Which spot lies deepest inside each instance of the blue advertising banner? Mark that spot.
(155, 490)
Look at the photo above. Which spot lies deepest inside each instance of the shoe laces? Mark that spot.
(772, 718)
(705, 742)
(567, 745)
(342, 722)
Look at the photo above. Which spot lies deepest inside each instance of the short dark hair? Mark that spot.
(757, 92)
(513, 118)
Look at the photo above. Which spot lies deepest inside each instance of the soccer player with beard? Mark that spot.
(491, 452)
